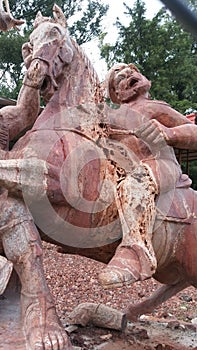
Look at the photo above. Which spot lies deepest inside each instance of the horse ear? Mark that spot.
(38, 19)
(59, 15)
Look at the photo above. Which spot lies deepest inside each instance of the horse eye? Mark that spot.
(54, 32)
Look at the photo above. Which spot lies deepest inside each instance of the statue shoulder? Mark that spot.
(158, 102)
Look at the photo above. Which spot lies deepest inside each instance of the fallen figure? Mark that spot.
(6, 22)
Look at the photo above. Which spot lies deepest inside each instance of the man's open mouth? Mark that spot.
(132, 82)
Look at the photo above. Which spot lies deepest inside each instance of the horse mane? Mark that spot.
(94, 79)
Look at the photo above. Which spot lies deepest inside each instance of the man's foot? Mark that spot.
(42, 327)
(6, 268)
(129, 265)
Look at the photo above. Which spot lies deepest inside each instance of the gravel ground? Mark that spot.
(73, 280)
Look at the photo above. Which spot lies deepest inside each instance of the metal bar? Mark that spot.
(180, 10)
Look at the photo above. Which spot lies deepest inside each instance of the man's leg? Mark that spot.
(5, 273)
(134, 258)
(22, 246)
(6, 266)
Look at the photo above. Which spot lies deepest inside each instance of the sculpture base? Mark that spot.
(11, 333)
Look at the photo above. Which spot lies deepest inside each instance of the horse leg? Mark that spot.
(157, 298)
(22, 246)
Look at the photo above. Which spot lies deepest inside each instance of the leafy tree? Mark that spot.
(193, 173)
(83, 30)
(191, 169)
(10, 63)
(162, 50)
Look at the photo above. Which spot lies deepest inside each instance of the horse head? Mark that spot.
(48, 51)
(55, 61)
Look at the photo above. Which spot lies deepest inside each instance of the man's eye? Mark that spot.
(119, 78)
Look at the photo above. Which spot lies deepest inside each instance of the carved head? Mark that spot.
(125, 83)
(50, 46)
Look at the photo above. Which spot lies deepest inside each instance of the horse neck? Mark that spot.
(79, 83)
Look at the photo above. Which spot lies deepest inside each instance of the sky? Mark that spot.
(116, 9)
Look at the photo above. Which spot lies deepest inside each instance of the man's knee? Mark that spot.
(22, 240)
(13, 211)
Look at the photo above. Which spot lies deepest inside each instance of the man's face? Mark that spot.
(128, 83)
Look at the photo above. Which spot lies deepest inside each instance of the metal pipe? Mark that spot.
(180, 10)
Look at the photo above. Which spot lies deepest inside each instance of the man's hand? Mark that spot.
(154, 134)
(7, 21)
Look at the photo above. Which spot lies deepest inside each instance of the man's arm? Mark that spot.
(165, 114)
(14, 119)
(168, 126)
(182, 136)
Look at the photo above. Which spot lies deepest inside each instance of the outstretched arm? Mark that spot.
(6, 20)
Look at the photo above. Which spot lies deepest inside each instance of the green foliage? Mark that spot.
(10, 63)
(90, 13)
(83, 30)
(89, 25)
(162, 50)
(192, 172)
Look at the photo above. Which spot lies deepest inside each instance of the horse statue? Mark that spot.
(59, 180)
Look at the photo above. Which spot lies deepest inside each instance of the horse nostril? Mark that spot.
(44, 84)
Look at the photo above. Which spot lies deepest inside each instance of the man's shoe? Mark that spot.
(129, 265)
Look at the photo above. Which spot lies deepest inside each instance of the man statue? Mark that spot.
(6, 22)
(161, 128)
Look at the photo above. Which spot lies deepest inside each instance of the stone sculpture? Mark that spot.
(6, 20)
(64, 178)
(157, 173)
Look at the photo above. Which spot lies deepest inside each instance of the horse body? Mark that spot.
(67, 145)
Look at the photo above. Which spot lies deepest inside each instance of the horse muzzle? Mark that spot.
(39, 76)
(36, 73)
